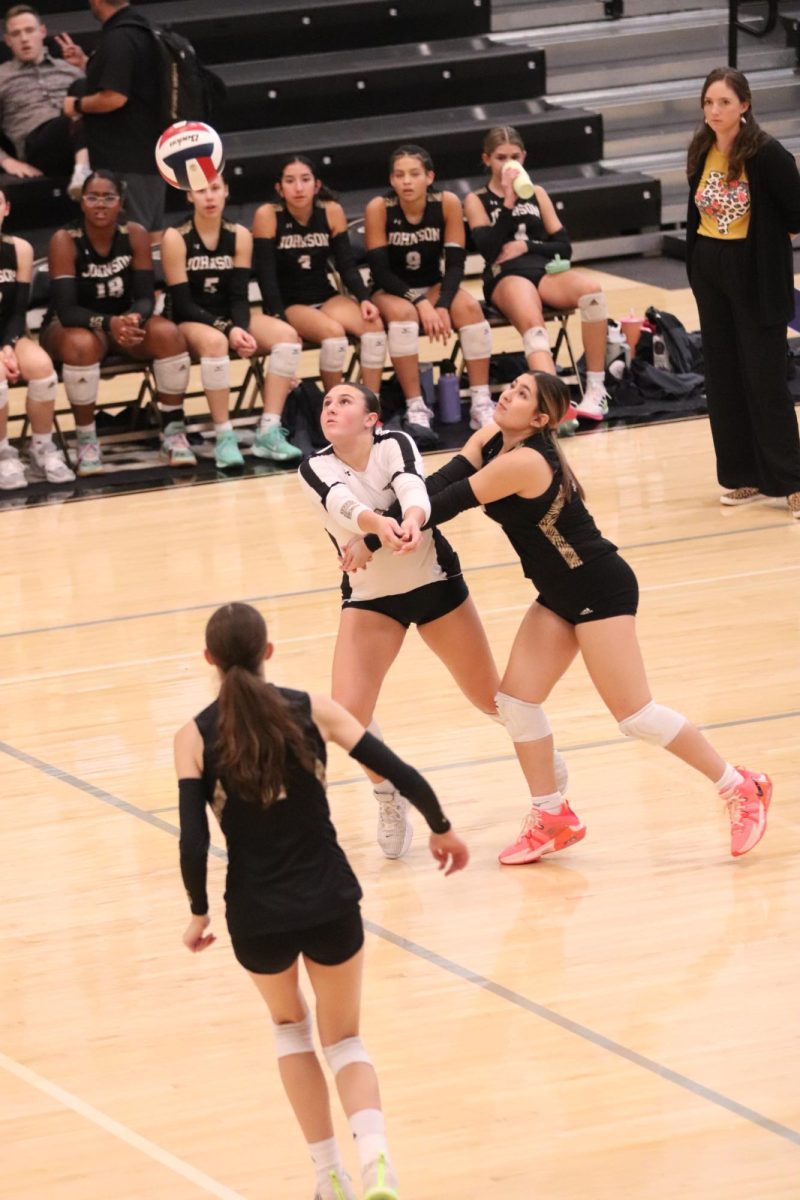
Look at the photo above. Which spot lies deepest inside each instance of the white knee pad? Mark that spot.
(294, 1039)
(332, 353)
(172, 374)
(3, 393)
(284, 359)
(476, 340)
(525, 722)
(593, 307)
(81, 383)
(373, 350)
(215, 373)
(654, 724)
(43, 391)
(342, 1054)
(403, 339)
(535, 340)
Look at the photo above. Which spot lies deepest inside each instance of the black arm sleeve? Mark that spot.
(71, 314)
(240, 299)
(372, 753)
(15, 325)
(452, 472)
(456, 498)
(144, 293)
(194, 842)
(454, 259)
(384, 276)
(185, 309)
(490, 239)
(555, 243)
(267, 276)
(346, 266)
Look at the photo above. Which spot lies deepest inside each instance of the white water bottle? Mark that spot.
(521, 181)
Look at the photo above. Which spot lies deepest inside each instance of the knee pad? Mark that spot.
(81, 383)
(654, 724)
(43, 391)
(535, 340)
(215, 373)
(172, 374)
(525, 722)
(284, 359)
(342, 1054)
(294, 1039)
(593, 307)
(403, 339)
(3, 393)
(332, 353)
(373, 350)
(476, 340)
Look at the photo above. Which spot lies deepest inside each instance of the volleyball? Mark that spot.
(189, 154)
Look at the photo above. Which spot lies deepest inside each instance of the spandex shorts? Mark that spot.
(603, 588)
(419, 606)
(329, 944)
(533, 273)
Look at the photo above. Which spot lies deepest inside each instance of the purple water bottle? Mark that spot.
(448, 395)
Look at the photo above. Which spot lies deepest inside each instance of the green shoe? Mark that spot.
(272, 443)
(90, 460)
(380, 1181)
(175, 449)
(226, 452)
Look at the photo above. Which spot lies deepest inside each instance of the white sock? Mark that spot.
(550, 804)
(384, 788)
(40, 440)
(368, 1129)
(325, 1156)
(86, 432)
(596, 379)
(223, 426)
(269, 421)
(480, 394)
(729, 779)
(413, 401)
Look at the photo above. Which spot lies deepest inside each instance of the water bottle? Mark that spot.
(521, 183)
(448, 395)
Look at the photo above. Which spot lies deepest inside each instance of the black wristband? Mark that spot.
(78, 107)
(372, 542)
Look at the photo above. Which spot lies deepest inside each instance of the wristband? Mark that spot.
(78, 105)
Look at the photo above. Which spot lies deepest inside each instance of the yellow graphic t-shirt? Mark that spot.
(724, 207)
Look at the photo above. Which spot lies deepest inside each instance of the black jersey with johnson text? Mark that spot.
(209, 272)
(104, 282)
(553, 534)
(302, 253)
(286, 869)
(528, 227)
(416, 248)
(8, 282)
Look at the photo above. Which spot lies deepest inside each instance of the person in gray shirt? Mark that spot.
(32, 90)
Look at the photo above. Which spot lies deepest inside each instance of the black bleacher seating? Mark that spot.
(391, 79)
(274, 28)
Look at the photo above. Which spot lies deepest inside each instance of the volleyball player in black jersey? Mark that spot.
(588, 596)
(207, 263)
(521, 242)
(296, 242)
(22, 358)
(409, 232)
(257, 757)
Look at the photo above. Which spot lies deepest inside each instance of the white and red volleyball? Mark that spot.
(189, 155)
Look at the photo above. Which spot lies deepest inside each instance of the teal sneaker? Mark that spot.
(380, 1181)
(227, 454)
(272, 443)
(90, 460)
(175, 449)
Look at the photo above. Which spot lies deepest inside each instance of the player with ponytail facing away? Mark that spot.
(257, 756)
(588, 597)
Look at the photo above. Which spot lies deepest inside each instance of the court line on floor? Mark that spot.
(94, 1115)
(334, 588)
(574, 1027)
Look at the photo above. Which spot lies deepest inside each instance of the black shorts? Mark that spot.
(534, 273)
(329, 944)
(603, 588)
(419, 606)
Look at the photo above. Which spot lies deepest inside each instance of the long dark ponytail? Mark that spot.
(553, 400)
(749, 139)
(256, 728)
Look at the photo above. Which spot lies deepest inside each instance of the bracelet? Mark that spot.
(78, 105)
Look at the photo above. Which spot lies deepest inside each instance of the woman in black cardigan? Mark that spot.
(744, 206)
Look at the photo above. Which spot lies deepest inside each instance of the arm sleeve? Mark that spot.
(346, 266)
(334, 496)
(144, 298)
(240, 299)
(70, 313)
(454, 259)
(452, 472)
(184, 308)
(384, 276)
(194, 843)
(456, 498)
(15, 325)
(406, 474)
(372, 753)
(490, 239)
(555, 243)
(267, 276)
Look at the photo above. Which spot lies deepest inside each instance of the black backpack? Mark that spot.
(188, 89)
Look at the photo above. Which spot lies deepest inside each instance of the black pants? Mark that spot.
(753, 421)
(51, 147)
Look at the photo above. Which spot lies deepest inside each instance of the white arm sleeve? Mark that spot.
(321, 475)
(406, 475)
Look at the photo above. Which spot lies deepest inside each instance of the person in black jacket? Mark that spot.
(257, 757)
(744, 206)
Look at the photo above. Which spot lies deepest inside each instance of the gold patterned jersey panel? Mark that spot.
(548, 528)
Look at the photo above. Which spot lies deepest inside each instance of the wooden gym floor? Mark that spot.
(617, 1023)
